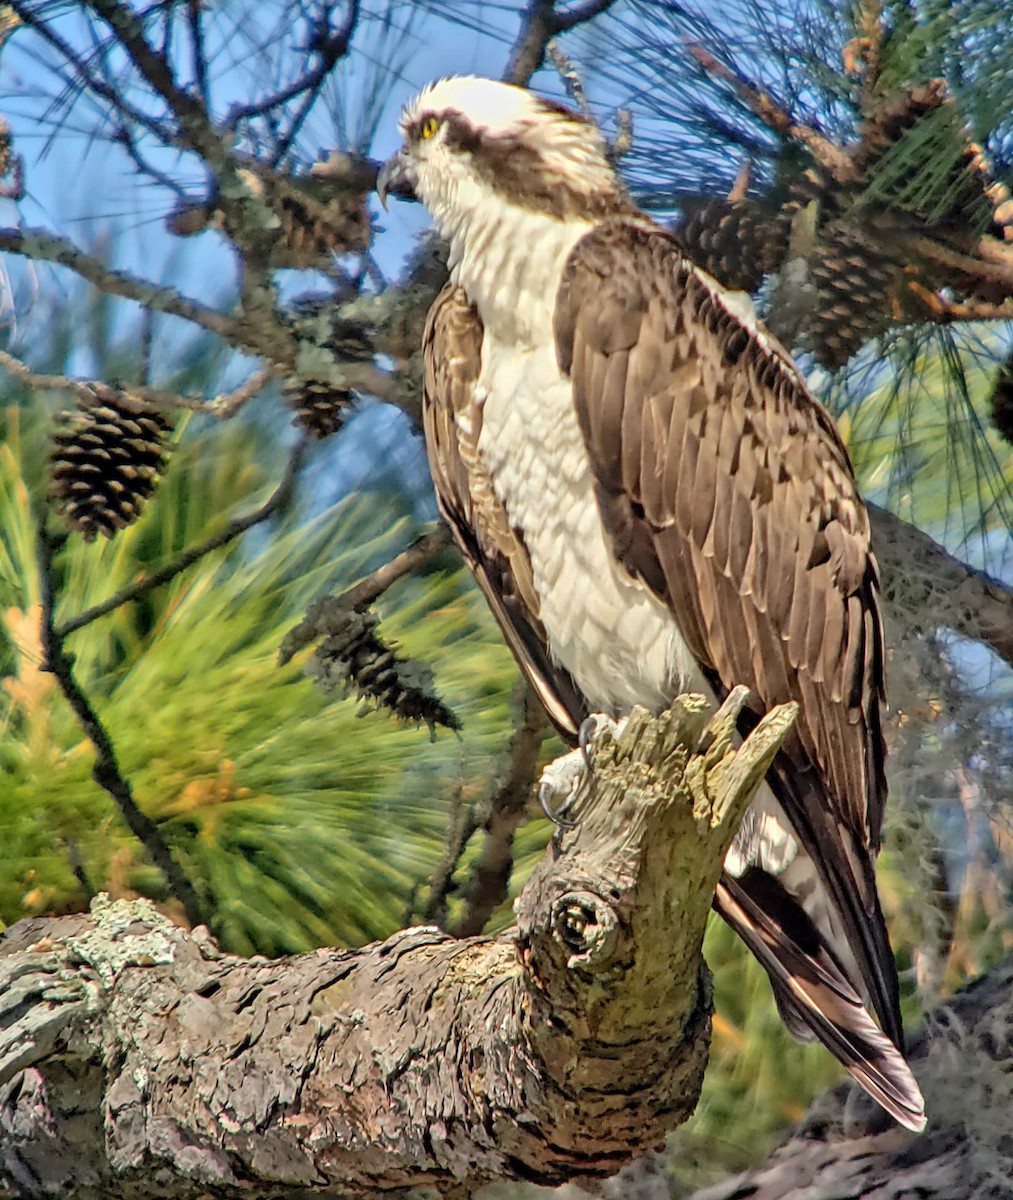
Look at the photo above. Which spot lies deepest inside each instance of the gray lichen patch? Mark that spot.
(127, 933)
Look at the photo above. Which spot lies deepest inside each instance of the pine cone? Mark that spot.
(105, 463)
(320, 214)
(736, 241)
(857, 281)
(895, 115)
(1002, 401)
(319, 407)
(354, 656)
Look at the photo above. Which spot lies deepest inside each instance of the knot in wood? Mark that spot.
(586, 927)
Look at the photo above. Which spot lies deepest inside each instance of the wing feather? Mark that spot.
(732, 496)
(452, 352)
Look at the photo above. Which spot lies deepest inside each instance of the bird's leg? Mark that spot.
(572, 776)
(585, 736)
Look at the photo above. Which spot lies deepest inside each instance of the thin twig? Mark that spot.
(78, 868)
(196, 130)
(124, 137)
(331, 48)
(43, 246)
(224, 405)
(580, 13)
(88, 81)
(491, 877)
(836, 160)
(275, 503)
(462, 825)
(335, 47)
(540, 25)
(943, 311)
(994, 266)
(194, 14)
(362, 594)
(252, 219)
(106, 771)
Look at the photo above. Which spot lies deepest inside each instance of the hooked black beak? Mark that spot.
(397, 177)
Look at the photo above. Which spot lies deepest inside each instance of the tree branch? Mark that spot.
(921, 577)
(225, 404)
(331, 46)
(42, 246)
(88, 81)
(106, 771)
(318, 621)
(275, 503)
(963, 1057)
(487, 888)
(541, 23)
(143, 1063)
(837, 161)
(196, 130)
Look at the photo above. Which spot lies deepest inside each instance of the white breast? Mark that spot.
(618, 641)
(621, 645)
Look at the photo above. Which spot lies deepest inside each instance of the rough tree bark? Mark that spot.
(848, 1149)
(137, 1060)
(964, 1060)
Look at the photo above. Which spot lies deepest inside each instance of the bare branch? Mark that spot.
(963, 1058)
(421, 552)
(925, 578)
(195, 129)
(42, 246)
(106, 771)
(195, 20)
(124, 136)
(947, 311)
(331, 46)
(578, 14)
(225, 404)
(146, 1064)
(87, 79)
(357, 598)
(490, 878)
(274, 504)
(541, 23)
(832, 157)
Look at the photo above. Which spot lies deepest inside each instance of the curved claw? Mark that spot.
(585, 737)
(556, 815)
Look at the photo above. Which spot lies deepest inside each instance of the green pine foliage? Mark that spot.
(302, 820)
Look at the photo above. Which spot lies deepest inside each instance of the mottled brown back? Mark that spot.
(728, 491)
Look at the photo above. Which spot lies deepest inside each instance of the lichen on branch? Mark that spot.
(561, 1048)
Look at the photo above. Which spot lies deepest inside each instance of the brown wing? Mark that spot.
(727, 489)
(452, 349)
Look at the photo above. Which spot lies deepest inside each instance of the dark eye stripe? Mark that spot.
(460, 135)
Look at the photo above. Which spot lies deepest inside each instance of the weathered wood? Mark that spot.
(848, 1149)
(137, 1060)
(844, 1150)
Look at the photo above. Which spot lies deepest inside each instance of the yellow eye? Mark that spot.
(429, 128)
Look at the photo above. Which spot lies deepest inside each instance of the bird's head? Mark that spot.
(468, 140)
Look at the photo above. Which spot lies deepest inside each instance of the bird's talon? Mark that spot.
(563, 782)
(585, 736)
(556, 815)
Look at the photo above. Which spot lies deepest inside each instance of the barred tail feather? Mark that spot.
(814, 994)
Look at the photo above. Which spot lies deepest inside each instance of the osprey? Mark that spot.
(652, 502)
